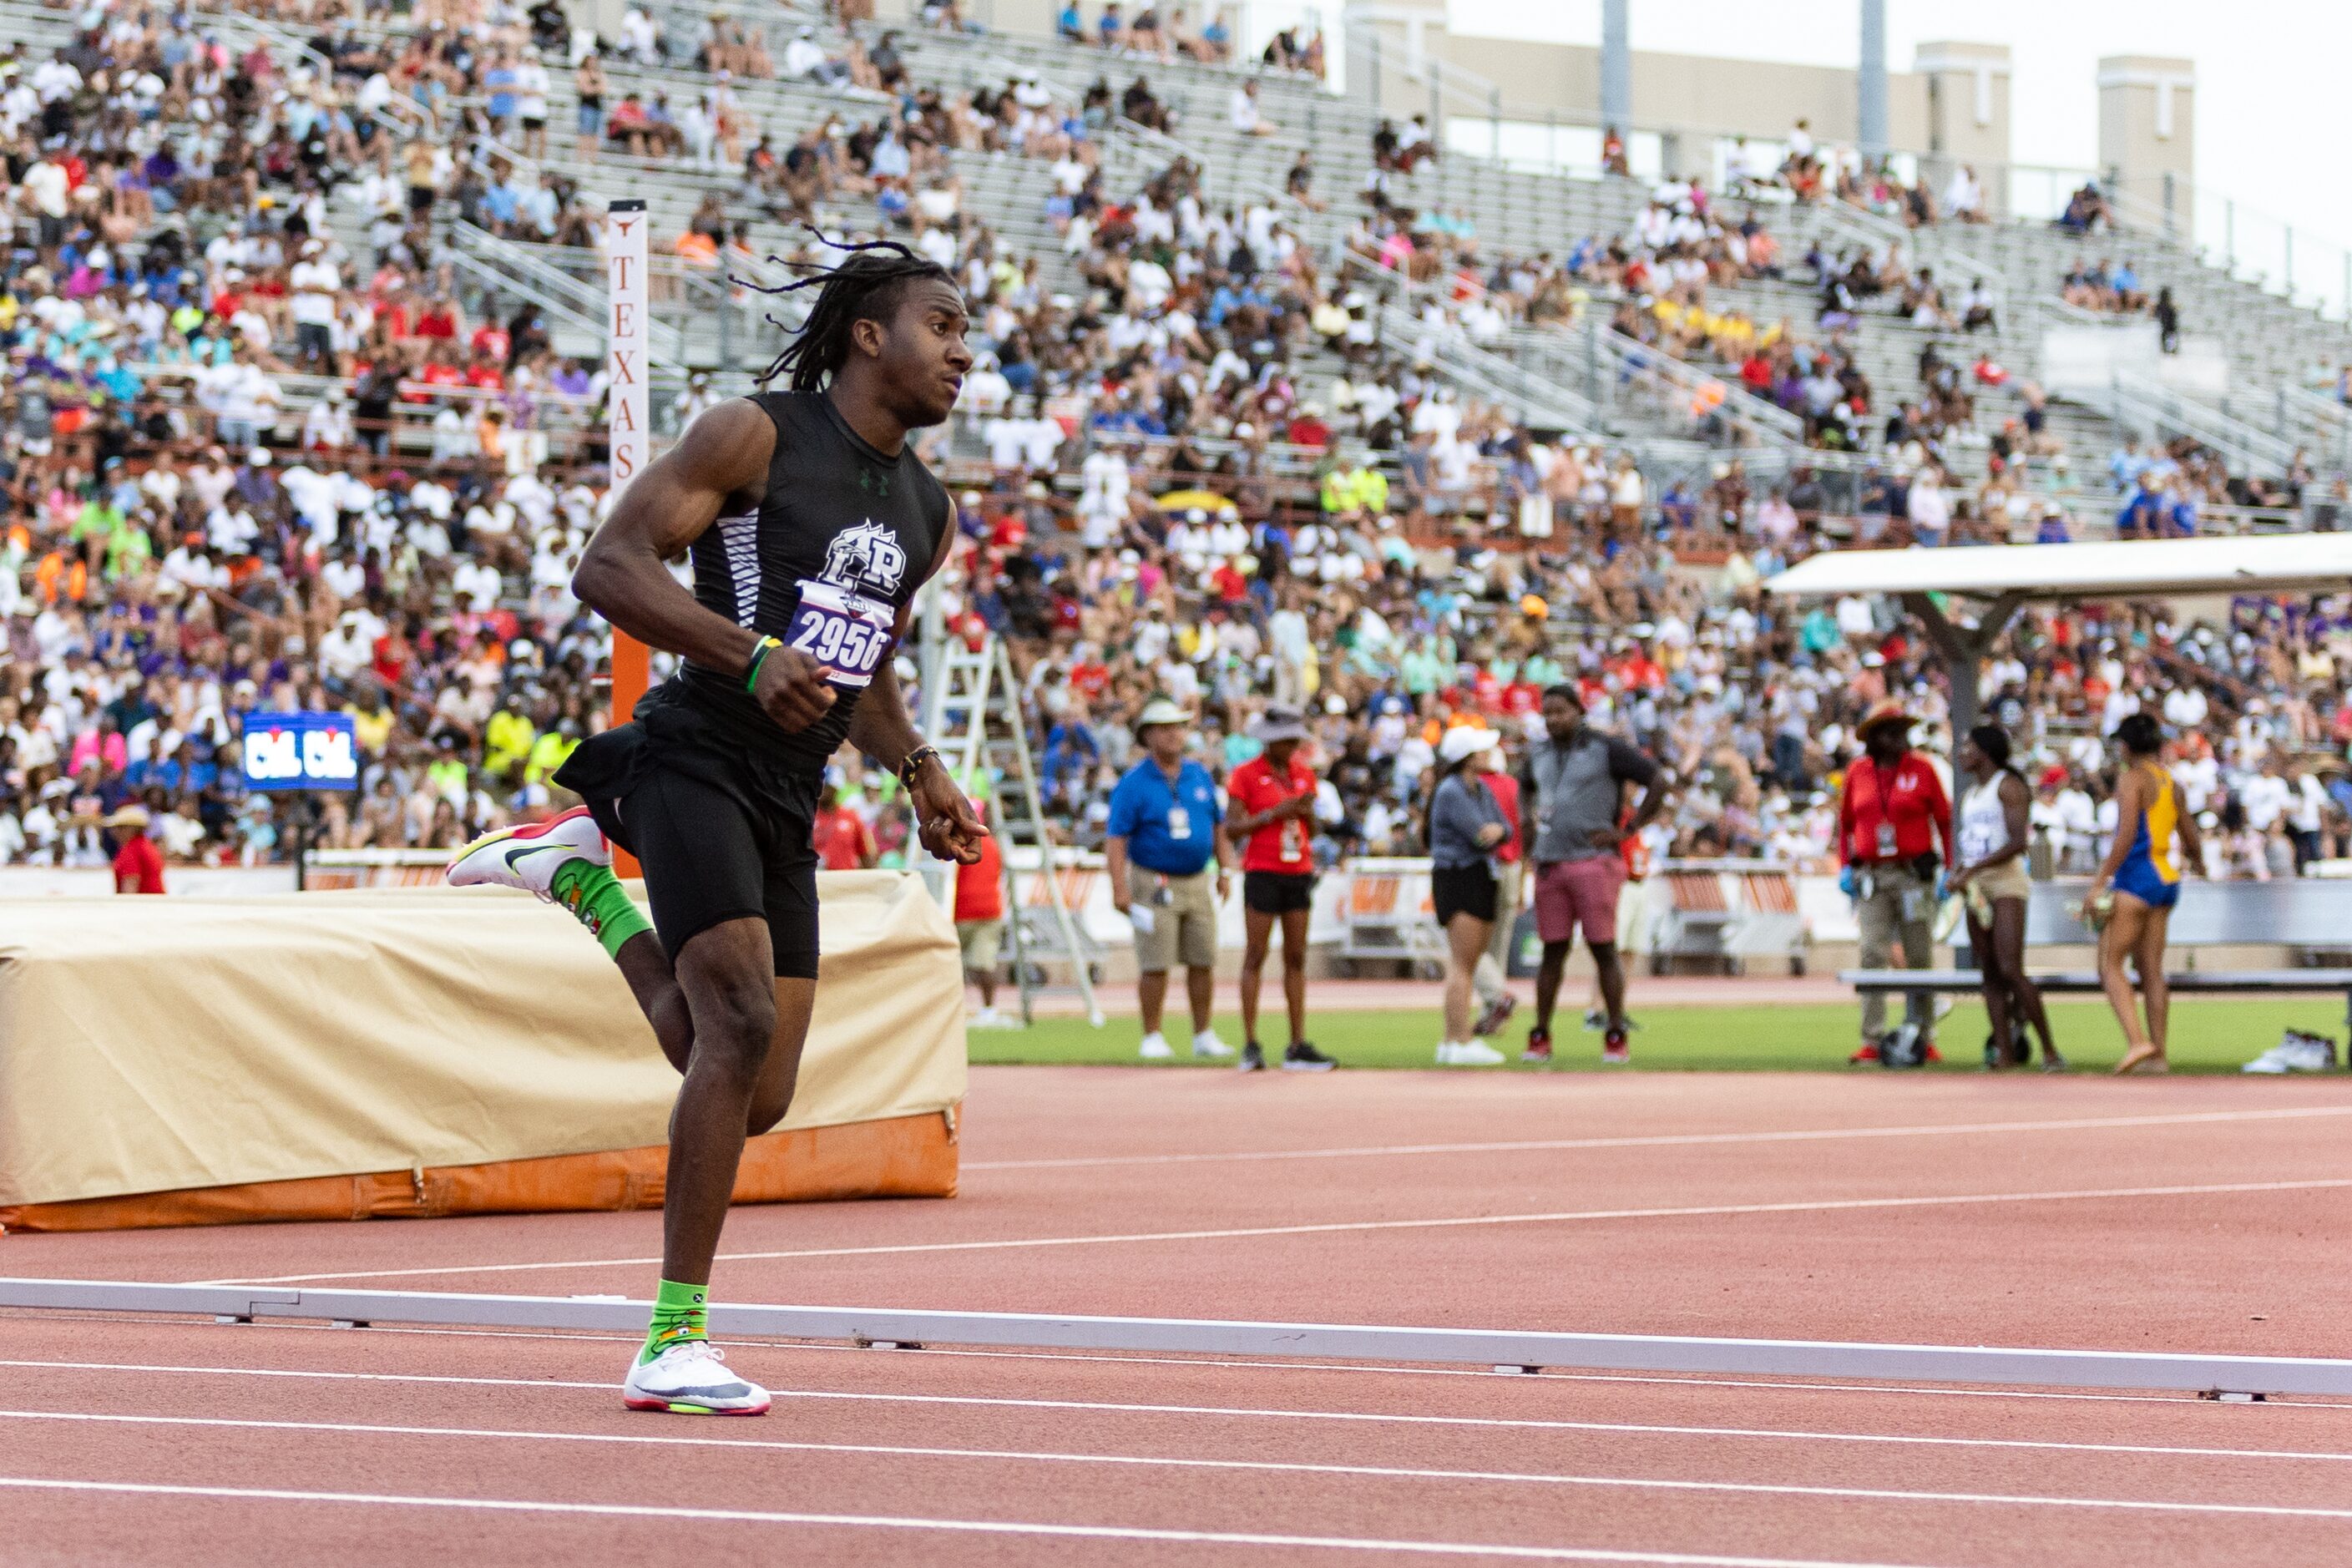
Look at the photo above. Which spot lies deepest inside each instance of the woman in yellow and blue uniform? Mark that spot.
(2155, 840)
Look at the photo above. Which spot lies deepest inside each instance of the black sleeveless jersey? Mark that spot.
(836, 516)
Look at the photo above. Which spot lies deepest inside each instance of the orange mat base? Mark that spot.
(900, 1157)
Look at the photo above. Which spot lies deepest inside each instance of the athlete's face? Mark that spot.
(924, 360)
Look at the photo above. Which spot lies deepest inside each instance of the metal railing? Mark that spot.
(2136, 404)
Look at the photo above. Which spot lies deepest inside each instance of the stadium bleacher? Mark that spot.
(1430, 519)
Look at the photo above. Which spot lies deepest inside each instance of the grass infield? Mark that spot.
(2209, 1034)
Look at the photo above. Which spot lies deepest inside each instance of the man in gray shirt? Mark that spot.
(1572, 821)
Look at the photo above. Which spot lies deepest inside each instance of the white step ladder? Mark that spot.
(972, 713)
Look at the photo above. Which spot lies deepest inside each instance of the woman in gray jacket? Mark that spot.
(1465, 823)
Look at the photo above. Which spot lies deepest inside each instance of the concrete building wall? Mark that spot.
(1703, 98)
(2147, 133)
(1968, 89)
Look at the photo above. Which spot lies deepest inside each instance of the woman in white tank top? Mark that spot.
(1993, 887)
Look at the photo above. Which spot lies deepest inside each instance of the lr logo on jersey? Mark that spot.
(843, 620)
(866, 558)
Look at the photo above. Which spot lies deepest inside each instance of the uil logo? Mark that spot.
(866, 558)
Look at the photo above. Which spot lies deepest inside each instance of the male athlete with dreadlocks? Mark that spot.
(811, 525)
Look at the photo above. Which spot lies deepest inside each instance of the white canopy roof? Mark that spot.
(2110, 569)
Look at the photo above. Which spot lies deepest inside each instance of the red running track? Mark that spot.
(2189, 1215)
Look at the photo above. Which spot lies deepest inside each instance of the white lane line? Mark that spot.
(1219, 1411)
(962, 1526)
(1672, 1140)
(1278, 1467)
(1563, 1216)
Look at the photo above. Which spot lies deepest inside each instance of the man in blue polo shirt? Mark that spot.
(1163, 839)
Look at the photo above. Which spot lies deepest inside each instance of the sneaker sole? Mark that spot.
(670, 1408)
(1308, 1067)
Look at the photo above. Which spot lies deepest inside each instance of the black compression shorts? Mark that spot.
(721, 837)
(1277, 892)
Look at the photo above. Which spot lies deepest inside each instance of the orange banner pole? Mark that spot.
(631, 671)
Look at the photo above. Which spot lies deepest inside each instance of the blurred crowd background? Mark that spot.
(296, 418)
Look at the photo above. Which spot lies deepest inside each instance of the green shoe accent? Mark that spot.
(680, 1313)
(595, 897)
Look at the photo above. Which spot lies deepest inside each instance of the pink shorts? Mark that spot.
(1573, 893)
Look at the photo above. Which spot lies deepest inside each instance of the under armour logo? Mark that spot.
(873, 481)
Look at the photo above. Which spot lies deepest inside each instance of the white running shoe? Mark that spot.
(1468, 1054)
(1155, 1047)
(691, 1378)
(990, 1019)
(2298, 1052)
(1206, 1043)
(529, 856)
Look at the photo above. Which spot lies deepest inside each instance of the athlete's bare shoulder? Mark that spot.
(727, 447)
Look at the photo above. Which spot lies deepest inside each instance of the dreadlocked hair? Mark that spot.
(860, 288)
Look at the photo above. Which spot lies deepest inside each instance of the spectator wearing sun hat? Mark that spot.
(1165, 857)
(138, 865)
(1893, 820)
(1465, 824)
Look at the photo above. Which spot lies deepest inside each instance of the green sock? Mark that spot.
(680, 1314)
(596, 899)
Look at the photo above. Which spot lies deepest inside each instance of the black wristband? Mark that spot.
(915, 759)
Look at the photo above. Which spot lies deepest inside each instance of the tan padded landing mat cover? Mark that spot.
(150, 1046)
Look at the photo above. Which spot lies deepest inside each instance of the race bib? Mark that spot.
(844, 632)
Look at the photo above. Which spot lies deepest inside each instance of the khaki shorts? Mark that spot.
(2006, 880)
(981, 941)
(1182, 930)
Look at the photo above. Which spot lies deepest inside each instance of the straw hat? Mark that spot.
(1160, 711)
(1890, 711)
(1278, 723)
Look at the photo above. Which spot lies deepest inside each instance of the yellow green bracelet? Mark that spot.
(758, 658)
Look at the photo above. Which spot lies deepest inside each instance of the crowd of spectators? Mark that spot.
(1194, 465)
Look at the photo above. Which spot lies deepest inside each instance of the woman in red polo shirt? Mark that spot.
(1270, 813)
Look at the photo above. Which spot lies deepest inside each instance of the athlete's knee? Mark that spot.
(736, 1014)
(1294, 955)
(768, 1107)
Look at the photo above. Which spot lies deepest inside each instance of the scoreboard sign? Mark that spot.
(301, 750)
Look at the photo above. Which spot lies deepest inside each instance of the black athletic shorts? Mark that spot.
(1461, 890)
(721, 836)
(1277, 892)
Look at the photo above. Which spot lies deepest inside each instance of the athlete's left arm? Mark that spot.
(882, 729)
(2184, 824)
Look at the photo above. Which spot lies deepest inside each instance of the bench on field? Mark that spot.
(2312, 917)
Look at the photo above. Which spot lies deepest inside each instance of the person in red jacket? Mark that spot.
(1895, 837)
(980, 930)
(139, 864)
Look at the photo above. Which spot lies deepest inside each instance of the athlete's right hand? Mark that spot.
(792, 689)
